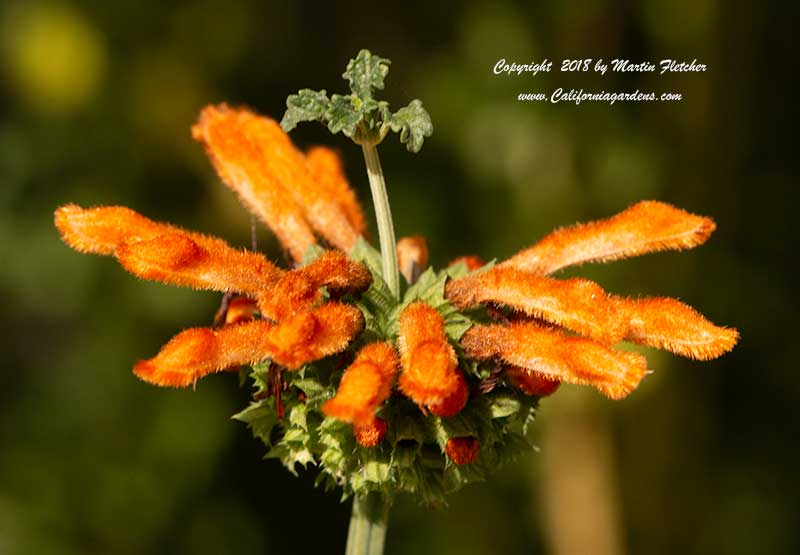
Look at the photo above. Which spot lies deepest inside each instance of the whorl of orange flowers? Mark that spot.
(548, 330)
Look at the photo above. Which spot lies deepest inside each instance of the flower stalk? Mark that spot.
(368, 520)
(383, 215)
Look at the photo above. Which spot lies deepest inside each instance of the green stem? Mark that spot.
(383, 215)
(367, 530)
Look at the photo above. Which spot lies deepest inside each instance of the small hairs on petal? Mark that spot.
(430, 373)
(558, 357)
(669, 324)
(647, 226)
(197, 352)
(178, 259)
(102, 229)
(365, 385)
(576, 304)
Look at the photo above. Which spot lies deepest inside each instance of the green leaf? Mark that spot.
(342, 115)
(260, 417)
(414, 124)
(306, 105)
(503, 404)
(366, 72)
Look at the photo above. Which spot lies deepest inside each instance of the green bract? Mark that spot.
(411, 457)
(359, 115)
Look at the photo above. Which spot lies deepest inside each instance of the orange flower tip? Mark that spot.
(370, 435)
(92, 230)
(472, 262)
(453, 403)
(412, 257)
(669, 324)
(365, 385)
(463, 450)
(645, 227)
(530, 382)
(181, 362)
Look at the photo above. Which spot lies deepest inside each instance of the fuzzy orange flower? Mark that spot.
(365, 385)
(581, 306)
(430, 374)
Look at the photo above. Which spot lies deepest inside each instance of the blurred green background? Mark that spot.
(96, 102)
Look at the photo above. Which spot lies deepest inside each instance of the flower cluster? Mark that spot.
(421, 391)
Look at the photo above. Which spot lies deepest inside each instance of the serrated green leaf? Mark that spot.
(366, 72)
(306, 105)
(414, 124)
(342, 116)
(260, 417)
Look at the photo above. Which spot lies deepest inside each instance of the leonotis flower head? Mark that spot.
(420, 386)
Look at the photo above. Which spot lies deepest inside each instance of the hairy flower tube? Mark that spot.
(419, 387)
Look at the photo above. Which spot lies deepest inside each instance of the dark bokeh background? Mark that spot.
(96, 102)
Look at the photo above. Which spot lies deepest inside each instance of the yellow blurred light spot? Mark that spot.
(53, 57)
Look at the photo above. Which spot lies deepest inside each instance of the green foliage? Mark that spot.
(359, 115)
(411, 457)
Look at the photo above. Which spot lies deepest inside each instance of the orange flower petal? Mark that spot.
(240, 145)
(558, 357)
(256, 158)
(298, 290)
(463, 450)
(196, 352)
(412, 257)
(430, 368)
(102, 229)
(671, 325)
(576, 304)
(313, 335)
(365, 385)
(370, 435)
(531, 382)
(178, 259)
(647, 226)
(326, 169)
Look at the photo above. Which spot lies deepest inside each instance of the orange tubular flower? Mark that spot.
(647, 226)
(577, 304)
(102, 229)
(196, 352)
(298, 290)
(583, 307)
(558, 357)
(430, 374)
(256, 159)
(366, 384)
